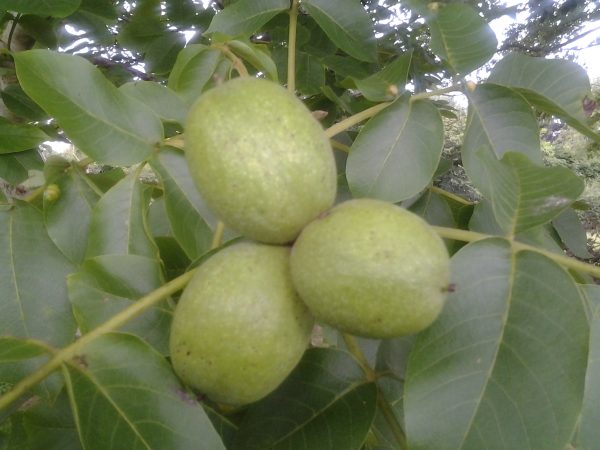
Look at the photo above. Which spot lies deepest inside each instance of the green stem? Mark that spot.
(563, 260)
(291, 66)
(382, 403)
(370, 112)
(83, 163)
(238, 64)
(437, 92)
(355, 119)
(175, 141)
(450, 195)
(218, 235)
(76, 347)
(35, 193)
(339, 146)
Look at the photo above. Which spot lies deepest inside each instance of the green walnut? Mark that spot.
(260, 159)
(239, 328)
(372, 269)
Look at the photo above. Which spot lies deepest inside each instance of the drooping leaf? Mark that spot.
(589, 433)
(397, 152)
(571, 233)
(377, 87)
(107, 284)
(68, 217)
(20, 104)
(244, 17)
(257, 55)
(461, 37)
(165, 103)
(33, 300)
(15, 137)
(193, 69)
(502, 120)
(118, 223)
(104, 123)
(525, 195)
(555, 86)
(504, 365)
(347, 24)
(191, 220)
(14, 167)
(55, 8)
(434, 210)
(125, 395)
(325, 403)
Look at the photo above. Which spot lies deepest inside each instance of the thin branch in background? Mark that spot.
(107, 64)
(11, 33)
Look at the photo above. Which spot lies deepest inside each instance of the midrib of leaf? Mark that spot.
(396, 140)
(107, 397)
(14, 275)
(73, 404)
(87, 113)
(325, 407)
(511, 283)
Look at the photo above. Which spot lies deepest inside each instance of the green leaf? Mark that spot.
(68, 218)
(310, 74)
(589, 433)
(500, 119)
(190, 218)
(434, 210)
(20, 104)
(397, 152)
(165, 103)
(160, 54)
(119, 221)
(555, 86)
(105, 285)
(325, 403)
(15, 137)
(102, 8)
(14, 167)
(347, 24)
(125, 395)
(377, 86)
(392, 359)
(525, 195)
(244, 17)
(55, 8)
(19, 358)
(462, 38)
(50, 426)
(193, 69)
(345, 66)
(104, 123)
(571, 233)
(504, 365)
(257, 55)
(33, 300)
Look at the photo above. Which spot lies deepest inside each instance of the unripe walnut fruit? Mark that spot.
(260, 159)
(372, 269)
(239, 327)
